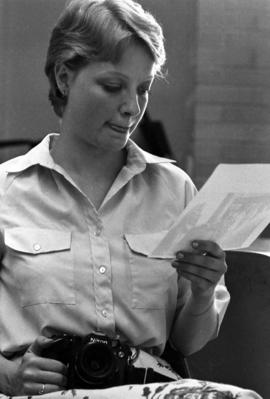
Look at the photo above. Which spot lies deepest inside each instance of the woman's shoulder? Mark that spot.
(160, 166)
(163, 175)
(174, 179)
(10, 169)
(168, 169)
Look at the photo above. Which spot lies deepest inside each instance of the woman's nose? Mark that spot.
(130, 105)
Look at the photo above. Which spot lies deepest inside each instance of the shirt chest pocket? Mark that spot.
(151, 277)
(40, 265)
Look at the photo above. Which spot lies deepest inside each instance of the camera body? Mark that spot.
(93, 361)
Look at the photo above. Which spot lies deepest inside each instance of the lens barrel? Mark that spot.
(95, 363)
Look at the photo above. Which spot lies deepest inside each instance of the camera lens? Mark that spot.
(95, 362)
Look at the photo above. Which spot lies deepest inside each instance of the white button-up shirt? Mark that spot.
(72, 268)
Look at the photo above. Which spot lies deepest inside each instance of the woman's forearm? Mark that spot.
(195, 325)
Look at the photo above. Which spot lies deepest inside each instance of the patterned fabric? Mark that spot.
(181, 389)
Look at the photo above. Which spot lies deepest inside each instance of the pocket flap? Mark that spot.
(144, 243)
(35, 241)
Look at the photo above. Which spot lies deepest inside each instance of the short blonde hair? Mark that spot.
(99, 30)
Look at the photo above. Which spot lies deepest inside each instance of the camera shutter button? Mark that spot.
(121, 354)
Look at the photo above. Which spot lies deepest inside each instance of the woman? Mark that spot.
(82, 210)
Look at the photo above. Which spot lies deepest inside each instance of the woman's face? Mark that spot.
(106, 101)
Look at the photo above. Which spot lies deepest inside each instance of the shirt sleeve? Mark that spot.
(221, 295)
(221, 302)
(221, 299)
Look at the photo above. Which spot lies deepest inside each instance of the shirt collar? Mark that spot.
(40, 155)
(137, 156)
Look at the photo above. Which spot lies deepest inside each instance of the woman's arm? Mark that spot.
(195, 325)
(198, 320)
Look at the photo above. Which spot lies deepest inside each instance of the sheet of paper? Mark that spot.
(232, 209)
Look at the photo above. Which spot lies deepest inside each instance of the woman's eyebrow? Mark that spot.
(105, 74)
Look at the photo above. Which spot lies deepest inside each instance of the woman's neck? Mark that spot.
(82, 158)
(93, 170)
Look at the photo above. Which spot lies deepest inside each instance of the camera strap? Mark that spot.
(148, 368)
(140, 375)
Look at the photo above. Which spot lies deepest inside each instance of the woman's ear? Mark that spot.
(64, 77)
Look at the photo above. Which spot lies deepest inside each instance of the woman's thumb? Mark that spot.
(39, 344)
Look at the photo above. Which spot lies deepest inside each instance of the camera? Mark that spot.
(93, 361)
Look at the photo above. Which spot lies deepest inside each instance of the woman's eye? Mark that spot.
(112, 88)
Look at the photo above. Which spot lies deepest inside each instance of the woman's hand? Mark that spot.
(203, 266)
(37, 375)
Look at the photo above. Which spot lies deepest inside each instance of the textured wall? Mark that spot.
(24, 34)
(172, 100)
(232, 120)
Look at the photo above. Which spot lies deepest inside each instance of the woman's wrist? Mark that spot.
(9, 375)
(201, 303)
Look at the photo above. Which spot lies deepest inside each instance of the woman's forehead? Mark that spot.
(134, 62)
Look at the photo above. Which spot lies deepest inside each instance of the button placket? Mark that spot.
(102, 269)
(102, 282)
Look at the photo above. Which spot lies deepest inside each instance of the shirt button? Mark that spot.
(37, 246)
(102, 269)
(104, 313)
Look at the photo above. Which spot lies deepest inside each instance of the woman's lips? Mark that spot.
(119, 128)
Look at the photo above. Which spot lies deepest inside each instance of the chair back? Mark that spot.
(177, 361)
(241, 353)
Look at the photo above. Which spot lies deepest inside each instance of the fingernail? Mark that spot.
(179, 255)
